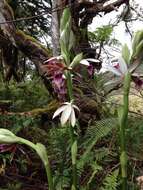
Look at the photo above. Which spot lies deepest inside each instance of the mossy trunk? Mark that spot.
(26, 44)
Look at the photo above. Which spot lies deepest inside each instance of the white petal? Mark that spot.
(103, 70)
(66, 103)
(74, 106)
(84, 62)
(122, 65)
(52, 58)
(58, 111)
(66, 114)
(93, 60)
(72, 118)
(114, 70)
(60, 57)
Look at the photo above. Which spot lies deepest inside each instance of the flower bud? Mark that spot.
(7, 137)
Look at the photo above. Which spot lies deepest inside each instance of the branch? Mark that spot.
(95, 7)
(26, 44)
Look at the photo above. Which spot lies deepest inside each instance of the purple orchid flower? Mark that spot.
(54, 68)
(59, 85)
(138, 82)
(90, 70)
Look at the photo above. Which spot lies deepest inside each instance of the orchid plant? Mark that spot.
(67, 110)
(124, 67)
(7, 137)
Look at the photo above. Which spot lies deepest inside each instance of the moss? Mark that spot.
(35, 134)
(25, 37)
(135, 102)
(53, 105)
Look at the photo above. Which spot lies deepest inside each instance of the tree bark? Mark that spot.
(55, 29)
(26, 44)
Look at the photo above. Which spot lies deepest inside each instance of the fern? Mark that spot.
(101, 128)
(101, 153)
(95, 168)
(110, 182)
(94, 133)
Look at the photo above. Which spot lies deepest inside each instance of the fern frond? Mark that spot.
(101, 153)
(94, 133)
(101, 128)
(111, 182)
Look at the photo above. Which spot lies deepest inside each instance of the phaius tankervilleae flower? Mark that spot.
(67, 111)
(90, 67)
(138, 82)
(88, 60)
(54, 69)
(117, 66)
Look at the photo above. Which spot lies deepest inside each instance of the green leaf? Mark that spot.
(41, 151)
(65, 19)
(120, 114)
(76, 60)
(126, 54)
(139, 50)
(65, 35)
(64, 52)
(111, 181)
(74, 152)
(137, 39)
(71, 40)
(73, 187)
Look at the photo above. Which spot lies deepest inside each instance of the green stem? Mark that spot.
(72, 136)
(49, 175)
(45, 161)
(27, 142)
(70, 86)
(123, 126)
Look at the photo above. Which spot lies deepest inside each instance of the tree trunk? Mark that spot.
(26, 44)
(55, 29)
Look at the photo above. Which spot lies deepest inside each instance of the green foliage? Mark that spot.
(101, 128)
(35, 27)
(25, 96)
(15, 122)
(102, 34)
(126, 54)
(111, 181)
(96, 150)
(95, 133)
(138, 37)
(13, 186)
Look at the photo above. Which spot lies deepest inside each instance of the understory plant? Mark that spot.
(124, 67)
(61, 72)
(7, 137)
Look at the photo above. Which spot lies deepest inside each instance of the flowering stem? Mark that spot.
(70, 86)
(123, 125)
(71, 97)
